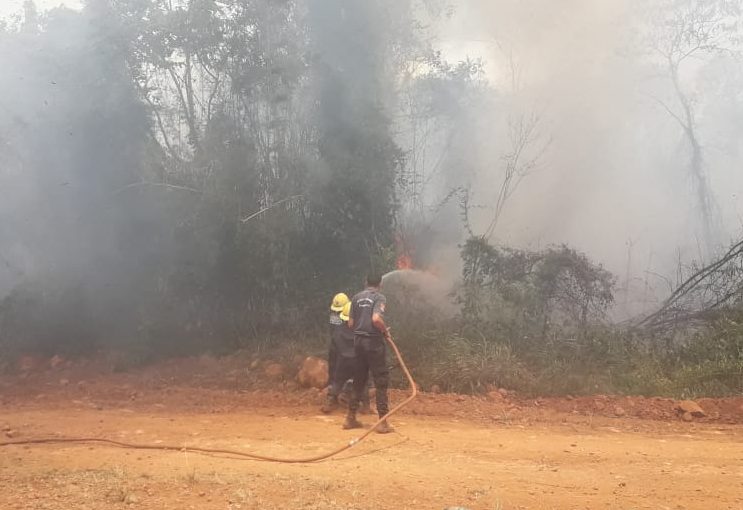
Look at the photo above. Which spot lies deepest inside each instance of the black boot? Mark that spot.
(351, 421)
(385, 428)
(330, 405)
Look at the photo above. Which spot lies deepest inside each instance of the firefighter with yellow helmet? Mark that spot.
(341, 354)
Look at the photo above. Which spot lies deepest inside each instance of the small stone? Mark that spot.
(687, 417)
(64, 382)
(131, 499)
(600, 406)
(618, 411)
(435, 389)
(691, 407)
(10, 434)
(495, 396)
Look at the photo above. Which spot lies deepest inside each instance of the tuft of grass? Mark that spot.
(191, 478)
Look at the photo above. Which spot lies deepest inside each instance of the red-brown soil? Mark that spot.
(494, 452)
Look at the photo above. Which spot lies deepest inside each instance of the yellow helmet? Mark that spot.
(346, 312)
(339, 301)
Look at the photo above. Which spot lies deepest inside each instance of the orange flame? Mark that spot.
(404, 261)
(404, 254)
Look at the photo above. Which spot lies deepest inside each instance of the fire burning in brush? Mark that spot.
(404, 258)
(417, 287)
(404, 261)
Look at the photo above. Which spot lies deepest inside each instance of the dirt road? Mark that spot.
(432, 462)
(449, 451)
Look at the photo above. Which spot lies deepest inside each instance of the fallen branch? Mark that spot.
(156, 184)
(708, 290)
(269, 207)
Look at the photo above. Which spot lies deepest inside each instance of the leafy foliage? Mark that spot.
(224, 167)
(555, 285)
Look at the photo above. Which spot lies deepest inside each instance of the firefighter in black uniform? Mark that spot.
(370, 332)
(341, 356)
(345, 365)
(336, 307)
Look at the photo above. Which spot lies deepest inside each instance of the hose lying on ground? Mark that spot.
(247, 455)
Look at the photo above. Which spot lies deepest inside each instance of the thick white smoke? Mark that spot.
(613, 181)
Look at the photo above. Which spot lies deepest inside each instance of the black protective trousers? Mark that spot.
(332, 366)
(345, 370)
(371, 356)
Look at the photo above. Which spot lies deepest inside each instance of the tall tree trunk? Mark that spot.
(699, 178)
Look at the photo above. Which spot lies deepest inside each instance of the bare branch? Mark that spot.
(708, 288)
(268, 208)
(668, 110)
(523, 135)
(156, 184)
(160, 123)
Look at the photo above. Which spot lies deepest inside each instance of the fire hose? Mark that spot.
(236, 453)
